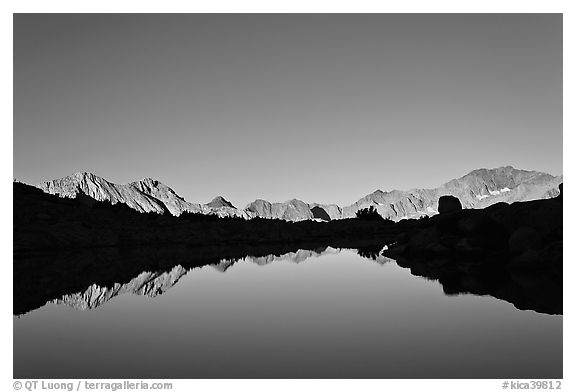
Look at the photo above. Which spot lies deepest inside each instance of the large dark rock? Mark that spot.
(448, 203)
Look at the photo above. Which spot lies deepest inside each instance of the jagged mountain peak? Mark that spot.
(149, 185)
(219, 202)
(477, 189)
(70, 186)
(484, 181)
(149, 181)
(82, 175)
(91, 185)
(145, 195)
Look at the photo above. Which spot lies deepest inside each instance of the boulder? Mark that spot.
(448, 203)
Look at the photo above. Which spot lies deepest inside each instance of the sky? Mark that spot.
(320, 107)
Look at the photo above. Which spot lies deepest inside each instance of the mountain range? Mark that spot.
(146, 195)
(477, 189)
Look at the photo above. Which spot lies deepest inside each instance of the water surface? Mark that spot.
(337, 315)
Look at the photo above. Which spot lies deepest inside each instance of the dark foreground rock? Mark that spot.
(62, 246)
(448, 203)
(513, 252)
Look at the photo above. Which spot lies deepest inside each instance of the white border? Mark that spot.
(229, 6)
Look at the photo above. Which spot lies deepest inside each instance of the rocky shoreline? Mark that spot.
(513, 252)
(509, 251)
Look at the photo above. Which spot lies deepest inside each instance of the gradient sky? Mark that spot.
(320, 107)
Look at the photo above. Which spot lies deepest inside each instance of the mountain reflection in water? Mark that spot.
(298, 313)
(90, 278)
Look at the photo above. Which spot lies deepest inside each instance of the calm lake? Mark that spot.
(302, 315)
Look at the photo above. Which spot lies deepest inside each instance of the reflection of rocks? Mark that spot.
(295, 257)
(86, 280)
(513, 252)
(150, 284)
(224, 264)
(373, 253)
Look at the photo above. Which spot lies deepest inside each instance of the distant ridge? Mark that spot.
(478, 189)
(219, 202)
(146, 195)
